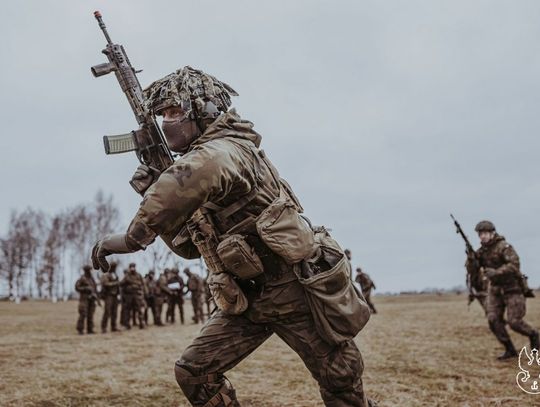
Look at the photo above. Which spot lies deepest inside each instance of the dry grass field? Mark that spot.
(418, 351)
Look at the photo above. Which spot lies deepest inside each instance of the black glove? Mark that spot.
(143, 177)
(111, 244)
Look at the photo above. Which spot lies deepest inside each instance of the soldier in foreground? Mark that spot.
(86, 287)
(109, 294)
(366, 284)
(223, 184)
(195, 286)
(506, 288)
(134, 292)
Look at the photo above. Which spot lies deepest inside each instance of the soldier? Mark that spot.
(224, 180)
(161, 297)
(163, 282)
(134, 292)
(500, 265)
(86, 287)
(152, 290)
(109, 293)
(210, 304)
(176, 295)
(366, 284)
(195, 285)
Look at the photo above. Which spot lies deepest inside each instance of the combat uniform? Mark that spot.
(176, 297)
(86, 287)
(109, 294)
(366, 284)
(195, 286)
(134, 291)
(505, 292)
(152, 290)
(226, 178)
(223, 166)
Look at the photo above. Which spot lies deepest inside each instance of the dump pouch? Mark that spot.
(339, 310)
(284, 231)
(239, 257)
(226, 293)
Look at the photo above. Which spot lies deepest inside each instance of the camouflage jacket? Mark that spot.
(195, 284)
(109, 284)
(221, 167)
(502, 257)
(152, 287)
(365, 281)
(133, 283)
(86, 287)
(162, 285)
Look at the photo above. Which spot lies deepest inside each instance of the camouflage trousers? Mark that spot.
(87, 307)
(514, 304)
(225, 340)
(172, 302)
(367, 296)
(133, 304)
(110, 312)
(197, 303)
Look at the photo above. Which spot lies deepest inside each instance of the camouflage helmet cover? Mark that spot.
(185, 86)
(485, 226)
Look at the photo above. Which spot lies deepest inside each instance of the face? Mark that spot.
(179, 129)
(132, 269)
(485, 236)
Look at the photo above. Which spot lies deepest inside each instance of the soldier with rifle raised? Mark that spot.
(507, 288)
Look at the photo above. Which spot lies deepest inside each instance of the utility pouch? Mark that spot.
(284, 231)
(339, 310)
(226, 293)
(239, 257)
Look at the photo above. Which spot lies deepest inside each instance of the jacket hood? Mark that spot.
(229, 124)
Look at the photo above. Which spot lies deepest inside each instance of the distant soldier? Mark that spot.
(366, 284)
(151, 298)
(163, 282)
(134, 292)
(195, 286)
(109, 294)
(86, 287)
(506, 288)
(176, 296)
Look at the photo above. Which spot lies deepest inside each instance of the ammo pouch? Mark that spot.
(339, 310)
(239, 257)
(284, 231)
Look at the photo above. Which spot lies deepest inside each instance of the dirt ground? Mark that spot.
(418, 351)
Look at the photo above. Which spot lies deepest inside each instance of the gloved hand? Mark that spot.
(143, 177)
(108, 245)
(490, 273)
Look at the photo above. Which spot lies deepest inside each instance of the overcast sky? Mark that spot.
(385, 116)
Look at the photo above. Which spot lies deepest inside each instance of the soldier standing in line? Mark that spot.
(86, 287)
(134, 291)
(109, 293)
(195, 286)
(210, 304)
(151, 298)
(176, 297)
(163, 282)
(507, 288)
(366, 284)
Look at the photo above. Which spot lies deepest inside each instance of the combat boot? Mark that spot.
(509, 353)
(535, 340)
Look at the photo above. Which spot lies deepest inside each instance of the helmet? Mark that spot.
(485, 226)
(86, 267)
(188, 87)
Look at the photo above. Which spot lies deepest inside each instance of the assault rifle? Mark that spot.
(148, 141)
(473, 278)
